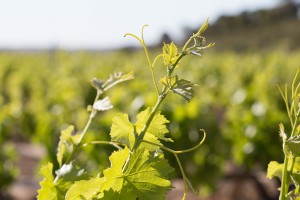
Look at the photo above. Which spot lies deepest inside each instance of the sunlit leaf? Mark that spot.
(144, 177)
(122, 130)
(85, 189)
(114, 175)
(48, 190)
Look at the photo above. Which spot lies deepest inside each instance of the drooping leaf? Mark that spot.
(170, 54)
(66, 145)
(292, 146)
(122, 130)
(274, 170)
(85, 189)
(179, 86)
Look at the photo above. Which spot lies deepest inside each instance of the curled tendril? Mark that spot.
(186, 181)
(180, 151)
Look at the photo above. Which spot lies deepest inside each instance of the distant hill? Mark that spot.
(259, 30)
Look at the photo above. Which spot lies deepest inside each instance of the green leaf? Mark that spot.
(274, 170)
(86, 189)
(122, 130)
(144, 177)
(170, 53)
(158, 124)
(292, 146)
(179, 86)
(114, 175)
(66, 145)
(48, 190)
(156, 130)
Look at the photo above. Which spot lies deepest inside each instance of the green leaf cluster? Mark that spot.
(289, 171)
(138, 170)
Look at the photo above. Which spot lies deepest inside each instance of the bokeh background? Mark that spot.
(50, 50)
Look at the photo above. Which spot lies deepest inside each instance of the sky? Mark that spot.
(98, 24)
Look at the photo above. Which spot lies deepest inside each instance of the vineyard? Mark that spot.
(236, 102)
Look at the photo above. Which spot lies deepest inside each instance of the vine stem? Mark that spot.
(86, 127)
(284, 184)
(150, 118)
(292, 108)
(151, 66)
(114, 144)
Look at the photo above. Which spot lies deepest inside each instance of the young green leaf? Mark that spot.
(179, 86)
(66, 145)
(122, 130)
(170, 53)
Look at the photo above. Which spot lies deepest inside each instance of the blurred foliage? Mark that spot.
(236, 102)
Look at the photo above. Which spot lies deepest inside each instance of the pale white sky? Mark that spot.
(102, 24)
